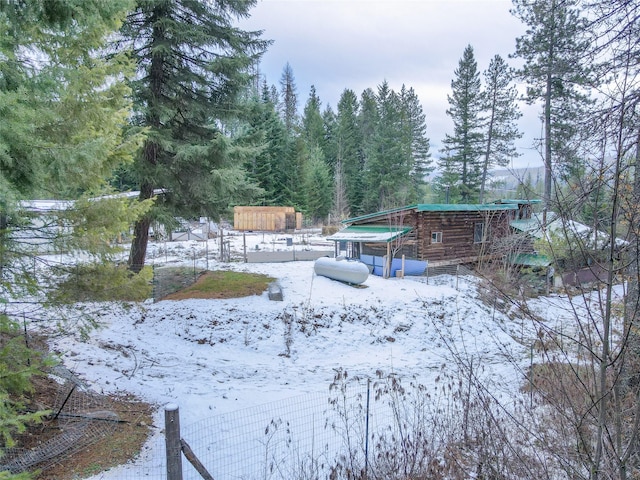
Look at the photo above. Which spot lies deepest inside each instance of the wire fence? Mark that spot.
(168, 279)
(79, 418)
(359, 429)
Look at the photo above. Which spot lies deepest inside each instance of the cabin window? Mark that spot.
(436, 237)
(478, 233)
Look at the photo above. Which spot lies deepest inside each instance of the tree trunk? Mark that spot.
(151, 149)
(630, 370)
(547, 127)
(633, 292)
(140, 240)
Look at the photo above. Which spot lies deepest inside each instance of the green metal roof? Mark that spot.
(530, 260)
(369, 233)
(533, 225)
(465, 207)
(438, 207)
(381, 213)
(519, 201)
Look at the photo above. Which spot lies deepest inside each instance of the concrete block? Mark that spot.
(275, 292)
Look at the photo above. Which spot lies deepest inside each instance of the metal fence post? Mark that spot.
(153, 282)
(366, 442)
(172, 439)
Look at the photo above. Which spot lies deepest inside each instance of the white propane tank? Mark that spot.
(340, 269)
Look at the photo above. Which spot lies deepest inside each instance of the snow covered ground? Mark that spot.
(213, 357)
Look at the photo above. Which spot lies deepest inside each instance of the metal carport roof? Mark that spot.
(369, 233)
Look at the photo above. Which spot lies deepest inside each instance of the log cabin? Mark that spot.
(440, 234)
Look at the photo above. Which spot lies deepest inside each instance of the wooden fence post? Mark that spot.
(172, 439)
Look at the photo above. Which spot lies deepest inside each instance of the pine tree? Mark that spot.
(312, 123)
(317, 186)
(192, 64)
(462, 150)
(501, 108)
(263, 167)
(63, 130)
(415, 123)
(389, 161)
(289, 95)
(329, 144)
(368, 121)
(553, 68)
(349, 156)
(63, 117)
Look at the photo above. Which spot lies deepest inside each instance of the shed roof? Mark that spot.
(43, 206)
(465, 207)
(530, 260)
(438, 207)
(593, 239)
(519, 201)
(369, 233)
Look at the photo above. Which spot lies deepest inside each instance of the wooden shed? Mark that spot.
(440, 234)
(266, 219)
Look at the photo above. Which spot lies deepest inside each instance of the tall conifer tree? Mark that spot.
(289, 97)
(192, 63)
(389, 161)
(502, 112)
(554, 69)
(462, 150)
(349, 157)
(317, 185)
(63, 119)
(415, 124)
(312, 123)
(261, 167)
(329, 145)
(63, 116)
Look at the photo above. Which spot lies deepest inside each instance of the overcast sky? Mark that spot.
(357, 44)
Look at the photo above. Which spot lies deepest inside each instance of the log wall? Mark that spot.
(457, 230)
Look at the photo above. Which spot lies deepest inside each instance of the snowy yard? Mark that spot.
(213, 357)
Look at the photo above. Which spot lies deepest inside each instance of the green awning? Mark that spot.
(369, 233)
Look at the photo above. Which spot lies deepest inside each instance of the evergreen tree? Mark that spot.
(63, 117)
(263, 167)
(368, 120)
(389, 162)
(552, 51)
(293, 169)
(63, 130)
(317, 186)
(349, 158)
(289, 105)
(461, 164)
(500, 104)
(329, 145)
(312, 122)
(192, 64)
(415, 124)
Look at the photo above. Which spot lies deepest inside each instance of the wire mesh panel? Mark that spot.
(346, 432)
(78, 418)
(384, 427)
(296, 438)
